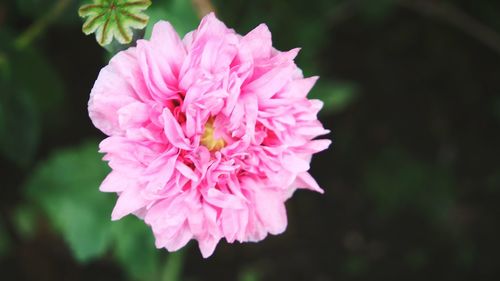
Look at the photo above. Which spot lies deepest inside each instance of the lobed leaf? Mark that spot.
(65, 187)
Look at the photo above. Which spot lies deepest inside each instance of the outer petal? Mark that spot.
(133, 115)
(169, 46)
(213, 46)
(294, 163)
(258, 42)
(117, 182)
(234, 223)
(211, 236)
(168, 220)
(128, 202)
(270, 78)
(299, 88)
(271, 210)
(112, 91)
(207, 245)
(156, 72)
(305, 180)
(177, 241)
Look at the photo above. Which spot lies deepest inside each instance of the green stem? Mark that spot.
(39, 26)
(173, 267)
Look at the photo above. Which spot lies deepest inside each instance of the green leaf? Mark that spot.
(180, 13)
(336, 96)
(135, 249)
(173, 268)
(66, 188)
(114, 18)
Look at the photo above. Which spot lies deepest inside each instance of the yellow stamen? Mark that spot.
(208, 139)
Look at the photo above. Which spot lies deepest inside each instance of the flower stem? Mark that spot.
(39, 26)
(173, 267)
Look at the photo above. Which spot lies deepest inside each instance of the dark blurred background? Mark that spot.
(412, 96)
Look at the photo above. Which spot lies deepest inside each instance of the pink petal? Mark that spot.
(300, 88)
(258, 42)
(271, 210)
(186, 171)
(169, 45)
(173, 131)
(116, 182)
(133, 115)
(305, 180)
(207, 245)
(176, 241)
(294, 163)
(160, 172)
(128, 202)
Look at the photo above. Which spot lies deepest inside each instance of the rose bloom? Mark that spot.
(208, 136)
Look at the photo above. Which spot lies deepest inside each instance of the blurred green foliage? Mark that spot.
(355, 265)
(65, 188)
(4, 241)
(179, 13)
(19, 124)
(173, 267)
(376, 10)
(25, 220)
(32, 92)
(397, 181)
(335, 96)
(496, 108)
(60, 186)
(35, 9)
(249, 274)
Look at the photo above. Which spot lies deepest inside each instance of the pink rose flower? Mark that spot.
(208, 135)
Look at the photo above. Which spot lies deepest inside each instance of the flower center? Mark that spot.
(208, 139)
